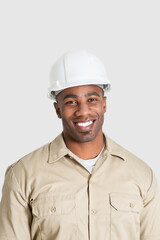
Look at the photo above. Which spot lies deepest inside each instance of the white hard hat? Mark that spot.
(77, 68)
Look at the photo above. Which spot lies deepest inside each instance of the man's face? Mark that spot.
(82, 111)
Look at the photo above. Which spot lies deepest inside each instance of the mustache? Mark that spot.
(84, 119)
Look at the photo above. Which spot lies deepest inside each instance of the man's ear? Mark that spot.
(105, 103)
(57, 109)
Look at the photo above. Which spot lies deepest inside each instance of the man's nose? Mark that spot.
(82, 110)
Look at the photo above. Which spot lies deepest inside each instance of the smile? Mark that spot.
(84, 124)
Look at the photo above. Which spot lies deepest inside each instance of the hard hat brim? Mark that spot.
(52, 94)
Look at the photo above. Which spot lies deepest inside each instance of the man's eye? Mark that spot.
(92, 100)
(71, 102)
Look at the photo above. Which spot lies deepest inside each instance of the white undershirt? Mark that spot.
(89, 163)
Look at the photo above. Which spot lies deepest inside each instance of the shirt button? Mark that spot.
(131, 205)
(53, 209)
(93, 211)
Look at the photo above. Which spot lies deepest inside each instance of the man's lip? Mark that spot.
(90, 120)
(84, 124)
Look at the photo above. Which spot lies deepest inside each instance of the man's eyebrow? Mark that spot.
(86, 95)
(70, 96)
(92, 94)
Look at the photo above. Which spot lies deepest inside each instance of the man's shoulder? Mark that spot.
(30, 161)
(34, 159)
(136, 168)
(130, 159)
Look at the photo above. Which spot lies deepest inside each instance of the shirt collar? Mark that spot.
(58, 149)
(115, 149)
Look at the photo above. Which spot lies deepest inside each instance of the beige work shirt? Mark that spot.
(48, 195)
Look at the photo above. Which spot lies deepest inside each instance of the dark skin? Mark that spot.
(82, 111)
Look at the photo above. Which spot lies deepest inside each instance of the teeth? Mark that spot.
(84, 124)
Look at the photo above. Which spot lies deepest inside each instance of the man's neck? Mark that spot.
(86, 150)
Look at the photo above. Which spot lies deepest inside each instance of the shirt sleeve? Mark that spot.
(15, 215)
(150, 216)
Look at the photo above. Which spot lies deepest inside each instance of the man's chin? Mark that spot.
(84, 137)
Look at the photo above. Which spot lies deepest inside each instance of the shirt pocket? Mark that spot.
(125, 209)
(54, 217)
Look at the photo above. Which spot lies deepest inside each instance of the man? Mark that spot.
(83, 185)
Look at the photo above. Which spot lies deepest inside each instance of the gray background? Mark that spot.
(124, 34)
